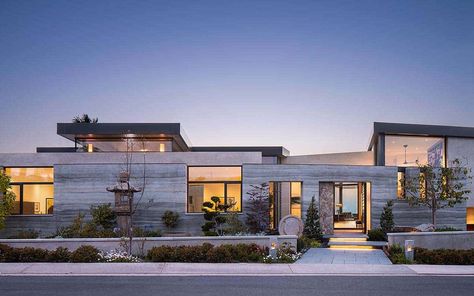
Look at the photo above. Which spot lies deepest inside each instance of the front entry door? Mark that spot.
(350, 200)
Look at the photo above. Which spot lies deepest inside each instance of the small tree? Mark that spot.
(84, 119)
(258, 218)
(170, 219)
(312, 226)
(7, 198)
(437, 188)
(386, 218)
(104, 216)
(213, 214)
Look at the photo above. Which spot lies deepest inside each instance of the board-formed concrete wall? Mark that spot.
(383, 180)
(461, 240)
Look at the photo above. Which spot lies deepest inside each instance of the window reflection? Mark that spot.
(407, 151)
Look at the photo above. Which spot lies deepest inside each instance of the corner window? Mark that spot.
(34, 190)
(411, 151)
(207, 182)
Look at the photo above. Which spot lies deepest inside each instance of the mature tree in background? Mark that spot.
(84, 119)
(312, 226)
(386, 218)
(258, 212)
(7, 198)
(438, 187)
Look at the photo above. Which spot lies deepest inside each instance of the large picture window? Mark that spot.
(34, 190)
(409, 151)
(206, 182)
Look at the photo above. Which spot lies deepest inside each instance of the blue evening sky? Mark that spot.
(309, 75)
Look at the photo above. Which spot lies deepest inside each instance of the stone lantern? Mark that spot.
(124, 201)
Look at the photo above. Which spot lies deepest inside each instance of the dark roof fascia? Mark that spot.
(387, 128)
(55, 149)
(72, 131)
(279, 151)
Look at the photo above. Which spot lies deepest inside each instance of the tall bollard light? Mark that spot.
(409, 249)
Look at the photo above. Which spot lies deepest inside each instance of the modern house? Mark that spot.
(54, 184)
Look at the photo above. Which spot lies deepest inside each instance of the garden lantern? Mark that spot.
(124, 201)
(273, 247)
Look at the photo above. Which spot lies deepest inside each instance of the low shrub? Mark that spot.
(28, 254)
(377, 234)
(444, 229)
(444, 256)
(397, 255)
(170, 219)
(59, 255)
(208, 253)
(303, 243)
(6, 254)
(140, 232)
(26, 234)
(85, 253)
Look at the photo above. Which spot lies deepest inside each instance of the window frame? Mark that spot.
(21, 184)
(214, 182)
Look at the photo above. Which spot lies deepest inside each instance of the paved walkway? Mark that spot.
(339, 256)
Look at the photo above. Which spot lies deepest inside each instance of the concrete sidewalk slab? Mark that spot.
(341, 256)
(225, 269)
(442, 269)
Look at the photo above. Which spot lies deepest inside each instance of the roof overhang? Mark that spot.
(387, 128)
(111, 131)
(279, 151)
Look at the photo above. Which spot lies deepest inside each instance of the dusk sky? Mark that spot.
(308, 75)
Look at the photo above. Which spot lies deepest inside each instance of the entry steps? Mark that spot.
(352, 241)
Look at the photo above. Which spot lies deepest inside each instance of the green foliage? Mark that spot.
(377, 235)
(85, 254)
(139, 232)
(258, 219)
(233, 225)
(444, 256)
(7, 198)
(79, 228)
(208, 253)
(26, 234)
(59, 255)
(84, 119)
(446, 228)
(104, 216)
(285, 254)
(312, 226)
(213, 214)
(303, 243)
(437, 188)
(397, 255)
(170, 219)
(386, 218)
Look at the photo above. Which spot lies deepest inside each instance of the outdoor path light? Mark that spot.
(409, 249)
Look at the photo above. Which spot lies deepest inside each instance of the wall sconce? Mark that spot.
(162, 147)
(409, 249)
(273, 247)
(90, 148)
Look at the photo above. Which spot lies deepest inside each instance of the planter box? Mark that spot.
(459, 240)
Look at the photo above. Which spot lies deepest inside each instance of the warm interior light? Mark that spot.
(90, 148)
(162, 147)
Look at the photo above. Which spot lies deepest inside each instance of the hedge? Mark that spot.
(82, 254)
(444, 256)
(208, 253)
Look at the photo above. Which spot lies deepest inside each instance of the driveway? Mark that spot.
(339, 256)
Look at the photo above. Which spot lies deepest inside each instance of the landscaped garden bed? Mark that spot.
(438, 256)
(205, 253)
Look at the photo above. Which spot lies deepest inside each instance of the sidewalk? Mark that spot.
(223, 269)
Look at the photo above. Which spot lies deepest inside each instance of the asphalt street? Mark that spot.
(237, 285)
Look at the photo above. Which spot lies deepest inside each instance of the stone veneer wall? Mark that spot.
(326, 207)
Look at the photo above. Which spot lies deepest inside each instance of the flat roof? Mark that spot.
(279, 151)
(388, 128)
(75, 131)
